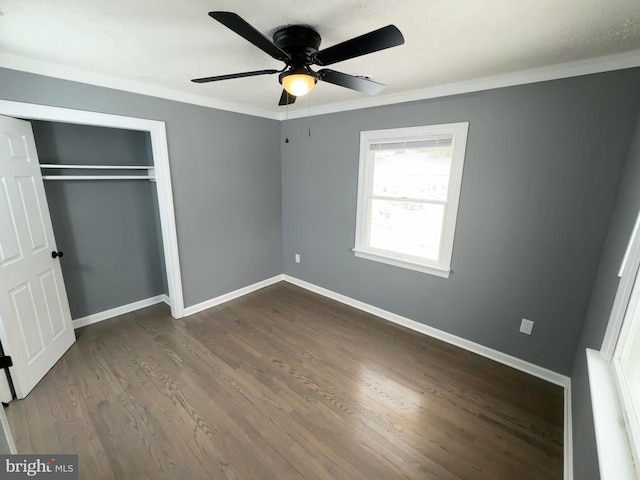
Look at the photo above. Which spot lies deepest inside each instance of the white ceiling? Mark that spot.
(162, 44)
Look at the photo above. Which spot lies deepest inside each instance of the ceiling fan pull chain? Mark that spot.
(309, 112)
(286, 140)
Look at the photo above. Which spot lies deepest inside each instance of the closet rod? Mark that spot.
(97, 177)
(98, 167)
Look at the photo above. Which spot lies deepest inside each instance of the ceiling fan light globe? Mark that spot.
(298, 84)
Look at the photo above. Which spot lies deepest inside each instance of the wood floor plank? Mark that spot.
(286, 384)
(373, 383)
(232, 423)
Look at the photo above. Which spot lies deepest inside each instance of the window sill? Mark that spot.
(378, 257)
(614, 452)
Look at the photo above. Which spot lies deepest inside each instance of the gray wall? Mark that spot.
(225, 170)
(106, 229)
(604, 291)
(542, 169)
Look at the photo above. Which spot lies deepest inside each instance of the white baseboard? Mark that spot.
(487, 352)
(166, 299)
(505, 359)
(500, 357)
(199, 307)
(114, 312)
(568, 433)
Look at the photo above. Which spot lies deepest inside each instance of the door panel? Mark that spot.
(35, 322)
(31, 206)
(18, 148)
(9, 246)
(26, 316)
(55, 312)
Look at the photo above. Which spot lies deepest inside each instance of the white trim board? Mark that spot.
(117, 311)
(158, 135)
(522, 365)
(523, 77)
(192, 310)
(614, 455)
(568, 433)
(7, 432)
(553, 72)
(627, 272)
(199, 307)
(508, 360)
(503, 358)
(38, 67)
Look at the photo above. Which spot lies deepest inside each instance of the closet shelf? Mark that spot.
(97, 167)
(51, 166)
(98, 177)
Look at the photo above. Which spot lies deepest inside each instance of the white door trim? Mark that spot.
(4, 426)
(157, 132)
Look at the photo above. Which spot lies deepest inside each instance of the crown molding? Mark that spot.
(24, 64)
(554, 72)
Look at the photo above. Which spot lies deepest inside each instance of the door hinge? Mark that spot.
(6, 362)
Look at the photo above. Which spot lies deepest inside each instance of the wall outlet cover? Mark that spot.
(526, 326)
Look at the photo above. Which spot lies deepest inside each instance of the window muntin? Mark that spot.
(408, 192)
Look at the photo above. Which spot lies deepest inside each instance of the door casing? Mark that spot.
(160, 152)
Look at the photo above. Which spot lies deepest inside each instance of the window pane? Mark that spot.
(406, 227)
(420, 173)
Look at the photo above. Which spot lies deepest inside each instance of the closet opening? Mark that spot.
(103, 204)
(119, 232)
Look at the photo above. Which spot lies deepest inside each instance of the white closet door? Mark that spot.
(35, 321)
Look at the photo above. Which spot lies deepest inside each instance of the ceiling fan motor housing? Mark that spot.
(300, 42)
(298, 47)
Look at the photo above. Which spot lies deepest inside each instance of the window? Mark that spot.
(626, 365)
(614, 375)
(626, 353)
(408, 193)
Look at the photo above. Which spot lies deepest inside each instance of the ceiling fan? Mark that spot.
(297, 46)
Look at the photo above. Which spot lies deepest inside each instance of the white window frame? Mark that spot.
(616, 425)
(442, 266)
(627, 394)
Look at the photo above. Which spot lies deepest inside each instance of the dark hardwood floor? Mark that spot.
(283, 383)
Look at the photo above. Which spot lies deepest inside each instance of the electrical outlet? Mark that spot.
(526, 326)
(297, 258)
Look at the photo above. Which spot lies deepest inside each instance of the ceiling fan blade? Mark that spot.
(234, 75)
(359, 84)
(385, 37)
(241, 27)
(286, 98)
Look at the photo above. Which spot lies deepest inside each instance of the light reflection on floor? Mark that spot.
(374, 387)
